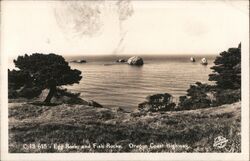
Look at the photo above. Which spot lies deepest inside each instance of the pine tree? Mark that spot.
(227, 69)
(43, 71)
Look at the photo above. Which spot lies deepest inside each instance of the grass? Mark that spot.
(41, 128)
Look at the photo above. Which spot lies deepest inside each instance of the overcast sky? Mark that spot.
(135, 28)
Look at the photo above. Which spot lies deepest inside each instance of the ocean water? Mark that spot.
(122, 85)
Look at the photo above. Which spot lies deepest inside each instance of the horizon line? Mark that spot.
(115, 55)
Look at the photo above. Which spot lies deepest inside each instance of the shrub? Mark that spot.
(198, 96)
(30, 92)
(63, 96)
(227, 96)
(17, 79)
(157, 102)
(64, 92)
(12, 93)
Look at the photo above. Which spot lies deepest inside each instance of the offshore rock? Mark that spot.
(79, 61)
(135, 60)
(192, 59)
(121, 61)
(204, 61)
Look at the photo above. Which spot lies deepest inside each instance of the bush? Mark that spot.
(64, 92)
(63, 96)
(12, 93)
(17, 79)
(198, 96)
(191, 104)
(227, 96)
(30, 92)
(157, 102)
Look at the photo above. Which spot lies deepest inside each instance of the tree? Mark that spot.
(227, 70)
(44, 71)
(198, 96)
(18, 79)
(157, 102)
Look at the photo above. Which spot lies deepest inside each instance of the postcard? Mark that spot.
(124, 80)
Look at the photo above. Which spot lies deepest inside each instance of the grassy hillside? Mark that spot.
(81, 128)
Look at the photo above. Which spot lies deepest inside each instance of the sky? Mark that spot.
(122, 28)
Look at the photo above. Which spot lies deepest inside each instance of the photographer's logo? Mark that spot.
(220, 142)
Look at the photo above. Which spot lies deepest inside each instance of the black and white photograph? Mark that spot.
(125, 77)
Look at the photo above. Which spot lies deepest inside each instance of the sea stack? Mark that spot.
(192, 59)
(79, 61)
(121, 61)
(135, 60)
(204, 61)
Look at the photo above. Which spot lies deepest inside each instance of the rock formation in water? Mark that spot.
(135, 60)
(204, 61)
(79, 61)
(121, 61)
(192, 59)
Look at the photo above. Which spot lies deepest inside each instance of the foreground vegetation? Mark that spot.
(48, 127)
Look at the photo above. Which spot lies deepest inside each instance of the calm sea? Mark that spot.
(126, 86)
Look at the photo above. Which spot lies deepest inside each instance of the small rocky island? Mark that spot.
(204, 61)
(135, 60)
(79, 61)
(121, 61)
(192, 59)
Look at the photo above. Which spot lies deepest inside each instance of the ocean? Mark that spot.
(125, 86)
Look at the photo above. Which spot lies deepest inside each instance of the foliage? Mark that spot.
(64, 92)
(20, 85)
(43, 71)
(44, 67)
(227, 75)
(198, 96)
(157, 102)
(227, 70)
(29, 92)
(12, 93)
(227, 96)
(17, 79)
